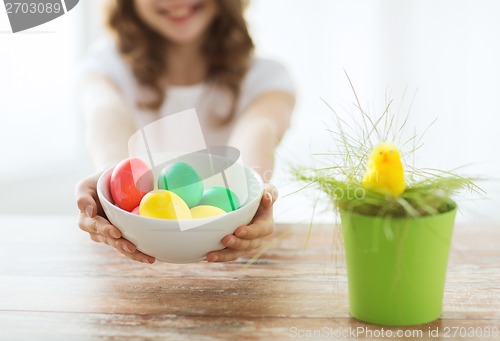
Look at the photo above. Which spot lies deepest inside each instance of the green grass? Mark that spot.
(428, 191)
(431, 195)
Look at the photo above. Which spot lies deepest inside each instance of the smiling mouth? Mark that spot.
(182, 12)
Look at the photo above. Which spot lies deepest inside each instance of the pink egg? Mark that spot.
(130, 180)
(135, 210)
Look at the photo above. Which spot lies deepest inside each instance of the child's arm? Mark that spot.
(256, 135)
(109, 122)
(261, 128)
(109, 126)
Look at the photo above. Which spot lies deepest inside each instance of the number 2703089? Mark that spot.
(33, 7)
(455, 332)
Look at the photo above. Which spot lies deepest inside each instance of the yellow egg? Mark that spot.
(164, 204)
(205, 211)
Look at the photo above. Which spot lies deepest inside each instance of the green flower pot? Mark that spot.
(396, 267)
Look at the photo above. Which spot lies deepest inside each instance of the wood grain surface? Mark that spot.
(55, 283)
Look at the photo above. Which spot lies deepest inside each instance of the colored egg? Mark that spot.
(135, 210)
(130, 180)
(164, 204)
(183, 180)
(205, 211)
(220, 197)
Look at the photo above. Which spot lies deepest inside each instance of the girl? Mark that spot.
(171, 55)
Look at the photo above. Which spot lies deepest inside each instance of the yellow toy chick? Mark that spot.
(385, 171)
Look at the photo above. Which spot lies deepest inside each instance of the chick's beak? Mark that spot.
(385, 158)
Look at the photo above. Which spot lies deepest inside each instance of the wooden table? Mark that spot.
(56, 283)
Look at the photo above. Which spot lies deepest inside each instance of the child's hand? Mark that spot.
(93, 221)
(248, 238)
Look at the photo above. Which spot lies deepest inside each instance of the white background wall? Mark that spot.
(448, 50)
(41, 141)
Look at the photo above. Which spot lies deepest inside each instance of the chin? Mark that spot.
(187, 22)
(182, 38)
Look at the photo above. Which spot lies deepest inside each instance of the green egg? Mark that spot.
(220, 197)
(183, 180)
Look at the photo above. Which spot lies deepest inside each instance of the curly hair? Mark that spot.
(227, 48)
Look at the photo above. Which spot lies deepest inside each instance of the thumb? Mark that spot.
(85, 197)
(270, 195)
(87, 205)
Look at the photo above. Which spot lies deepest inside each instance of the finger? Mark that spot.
(104, 227)
(99, 225)
(86, 196)
(129, 250)
(96, 237)
(264, 213)
(103, 239)
(267, 199)
(86, 224)
(225, 255)
(270, 194)
(87, 205)
(265, 210)
(261, 227)
(137, 256)
(124, 247)
(235, 243)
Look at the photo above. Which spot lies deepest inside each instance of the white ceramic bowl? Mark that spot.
(166, 240)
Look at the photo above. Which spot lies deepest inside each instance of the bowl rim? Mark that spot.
(107, 172)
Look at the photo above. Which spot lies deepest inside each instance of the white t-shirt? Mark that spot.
(208, 100)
